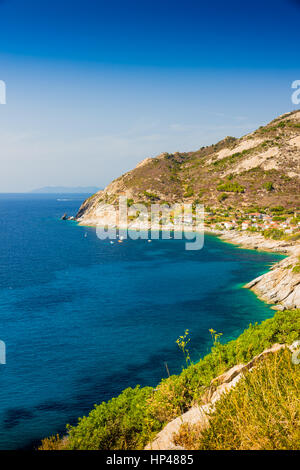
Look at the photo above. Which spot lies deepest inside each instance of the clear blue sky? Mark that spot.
(93, 87)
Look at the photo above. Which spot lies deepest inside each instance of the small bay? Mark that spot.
(82, 319)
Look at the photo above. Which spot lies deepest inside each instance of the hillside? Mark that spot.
(65, 190)
(261, 168)
(243, 394)
(256, 415)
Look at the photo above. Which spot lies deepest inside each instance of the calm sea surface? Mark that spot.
(83, 319)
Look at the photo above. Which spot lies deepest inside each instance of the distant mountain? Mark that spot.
(261, 168)
(66, 190)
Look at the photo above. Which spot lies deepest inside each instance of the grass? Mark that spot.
(261, 413)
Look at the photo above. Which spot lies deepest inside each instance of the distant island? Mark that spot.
(65, 190)
(244, 394)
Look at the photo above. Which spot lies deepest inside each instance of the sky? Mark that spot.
(93, 87)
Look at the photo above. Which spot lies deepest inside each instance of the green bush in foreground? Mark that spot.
(261, 413)
(130, 420)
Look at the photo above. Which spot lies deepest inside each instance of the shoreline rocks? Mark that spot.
(280, 286)
(200, 414)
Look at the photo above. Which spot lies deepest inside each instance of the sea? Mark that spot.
(81, 319)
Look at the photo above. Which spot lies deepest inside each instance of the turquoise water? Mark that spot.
(83, 319)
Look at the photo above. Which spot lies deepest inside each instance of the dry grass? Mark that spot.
(261, 413)
(54, 443)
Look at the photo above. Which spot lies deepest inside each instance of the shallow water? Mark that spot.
(83, 319)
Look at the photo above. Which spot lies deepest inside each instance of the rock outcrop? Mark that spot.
(269, 154)
(199, 414)
(280, 286)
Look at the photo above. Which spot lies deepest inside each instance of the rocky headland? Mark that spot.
(250, 188)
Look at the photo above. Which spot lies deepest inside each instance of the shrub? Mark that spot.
(269, 186)
(277, 209)
(274, 233)
(189, 192)
(260, 413)
(153, 197)
(222, 197)
(130, 202)
(296, 268)
(231, 187)
(121, 423)
(130, 420)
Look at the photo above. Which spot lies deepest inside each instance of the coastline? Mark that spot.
(280, 286)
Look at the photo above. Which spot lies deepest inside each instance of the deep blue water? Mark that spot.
(83, 319)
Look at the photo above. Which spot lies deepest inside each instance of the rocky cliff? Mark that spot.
(261, 168)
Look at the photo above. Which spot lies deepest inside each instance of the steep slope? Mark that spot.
(134, 418)
(261, 168)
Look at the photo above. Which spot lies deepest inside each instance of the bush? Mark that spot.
(222, 197)
(153, 197)
(130, 202)
(274, 233)
(136, 415)
(231, 187)
(296, 268)
(269, 186)
(189, 192)
(277, 209)
(121, 423)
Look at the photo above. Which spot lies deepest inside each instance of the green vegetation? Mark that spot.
(130, 420)
(222, 197)
(231, 187)
(189, 192)
(296, 268)
(130, 202)
(280, 126)
(194, 175)
(277, 209)
(268, 186)
(262, 412)
(274, 234)
(153, 197)
(227, 161)
(295, 220)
